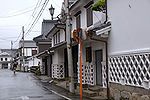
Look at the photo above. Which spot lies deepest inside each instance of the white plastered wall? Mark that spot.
(130, 21)
(58, 57)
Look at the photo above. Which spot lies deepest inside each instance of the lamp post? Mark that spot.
(51, 10)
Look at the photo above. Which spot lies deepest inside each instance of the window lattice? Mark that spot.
(87, 74)
(58, 71)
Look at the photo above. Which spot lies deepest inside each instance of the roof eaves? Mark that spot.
(58, 45)
(49, 21)
(75, 3)
(46, 52)
(55, 27)
(99, 26)
(38, 37)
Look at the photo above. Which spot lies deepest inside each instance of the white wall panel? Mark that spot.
(130, 25)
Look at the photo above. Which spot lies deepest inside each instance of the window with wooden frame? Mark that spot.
(88, 54)
(89, 13)
(58, 33)
(54, 39)
(89, 16)
(78, 22)
(34, 52)
(78, 19)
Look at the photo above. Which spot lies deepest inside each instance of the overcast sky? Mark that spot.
(17, 13)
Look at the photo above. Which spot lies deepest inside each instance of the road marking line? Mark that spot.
(22, 98)
(60, 95)
(57, 92)
(25, 98)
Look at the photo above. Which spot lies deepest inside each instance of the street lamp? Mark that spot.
(51, 10)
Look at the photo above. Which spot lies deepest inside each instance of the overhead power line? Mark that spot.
(31, 26)
(16, 14)
(37, 17)
(11, 37)
(5, 39)
(24, 9)
(37, 4)
(20, 13)
(3, 26)
(33, 13)
(18, 37)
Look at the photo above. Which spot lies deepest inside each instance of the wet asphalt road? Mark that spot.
(22, 87)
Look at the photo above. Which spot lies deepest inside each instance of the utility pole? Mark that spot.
(23, 47)
(11, 45)
(69, 48)
(11, 54)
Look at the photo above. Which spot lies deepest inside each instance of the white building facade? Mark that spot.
(29, 50)
(127, 34)
(129, 48)
(32, 61)
(5, 60)
(6, 57)
(58, 36)
(93, 52)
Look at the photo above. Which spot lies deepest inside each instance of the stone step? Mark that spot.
(98, 98)
(89, 93)
(96, 88)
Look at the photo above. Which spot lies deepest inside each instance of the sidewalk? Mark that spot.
(50, 85)
(58, 87)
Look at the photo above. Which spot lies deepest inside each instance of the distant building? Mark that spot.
(6, 56)
(30, 49)
(32, 61)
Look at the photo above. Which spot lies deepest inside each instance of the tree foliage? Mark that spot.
(99, 5)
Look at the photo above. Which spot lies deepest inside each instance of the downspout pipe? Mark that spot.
(106, 11)
(107, 68)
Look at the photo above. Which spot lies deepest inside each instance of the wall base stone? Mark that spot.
(131, 89)
(145, 97)
(124, 92)
(126, 95)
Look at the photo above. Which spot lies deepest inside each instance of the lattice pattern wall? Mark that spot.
(87, 74)
(58, 71)
(130, 69)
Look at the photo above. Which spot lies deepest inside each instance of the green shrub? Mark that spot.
(99, 5)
